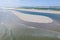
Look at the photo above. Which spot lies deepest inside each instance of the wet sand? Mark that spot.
(13, 28)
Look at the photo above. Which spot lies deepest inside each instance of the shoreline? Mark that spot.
(43, 11)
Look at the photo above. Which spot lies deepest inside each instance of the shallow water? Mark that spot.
(12, 28)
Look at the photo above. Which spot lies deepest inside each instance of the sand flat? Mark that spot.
(33, 18)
